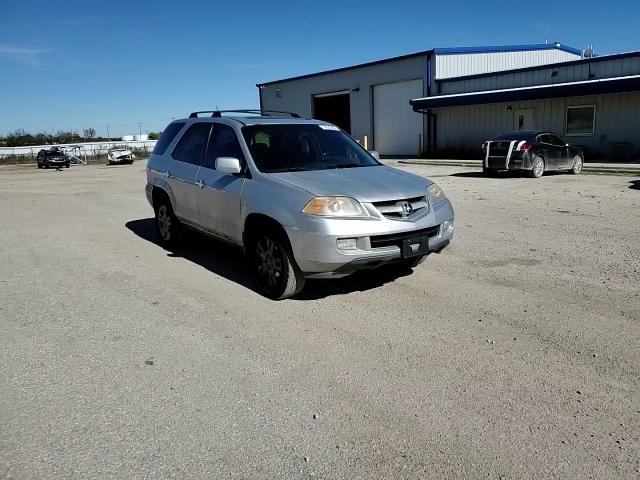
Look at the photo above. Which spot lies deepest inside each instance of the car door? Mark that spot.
(551, 154)
(562, 150)
(187, 158)
(219, 194)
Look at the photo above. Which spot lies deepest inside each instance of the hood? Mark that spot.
(366, 184)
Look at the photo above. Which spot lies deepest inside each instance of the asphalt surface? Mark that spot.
(513, 354)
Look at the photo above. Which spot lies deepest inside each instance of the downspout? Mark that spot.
(260, 87)
(429, 127)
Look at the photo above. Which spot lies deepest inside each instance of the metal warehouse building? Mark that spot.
(371, 100)
(594, 102)
(463, 96)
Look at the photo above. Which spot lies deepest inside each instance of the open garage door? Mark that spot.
(395, 125)
(335, 108)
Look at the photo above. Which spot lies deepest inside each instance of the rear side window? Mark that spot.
(223, 143)
(167, 137)
(191, 147)
(557, 141)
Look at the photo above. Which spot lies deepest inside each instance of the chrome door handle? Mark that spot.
(200, 183)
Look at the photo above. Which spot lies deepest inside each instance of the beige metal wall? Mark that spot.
(461, 130)
(449, 66)
(297, 95)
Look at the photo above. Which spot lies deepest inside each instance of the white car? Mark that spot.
(120, 155)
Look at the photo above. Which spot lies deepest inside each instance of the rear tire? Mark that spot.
(277, 274)
(66, 165)
(577, 165)
(167, 224)
(537, 169)
(39, 165)
(489, 172)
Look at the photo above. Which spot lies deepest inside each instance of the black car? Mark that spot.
(535, 152)
(53, 157)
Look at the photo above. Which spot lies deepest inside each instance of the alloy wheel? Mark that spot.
(577, 164)
(164, 222)
(269, 262)
(538, 167)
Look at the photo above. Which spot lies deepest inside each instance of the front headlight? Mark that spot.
(435, 194)
(334, 207)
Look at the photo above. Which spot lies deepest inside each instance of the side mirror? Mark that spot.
(228, 165)
(375, 154)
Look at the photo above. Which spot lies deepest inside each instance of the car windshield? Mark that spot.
(300, 147)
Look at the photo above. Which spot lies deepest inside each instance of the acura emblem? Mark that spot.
(407, 208)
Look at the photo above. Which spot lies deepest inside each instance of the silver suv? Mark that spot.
(301, 197)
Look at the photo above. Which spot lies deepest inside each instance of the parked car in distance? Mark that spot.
(531, 151)
(301, 197)
(52, 157)
(120, 155)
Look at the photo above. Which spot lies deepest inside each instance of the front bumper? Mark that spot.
(314, 241)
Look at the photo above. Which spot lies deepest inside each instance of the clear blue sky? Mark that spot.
(69, 65)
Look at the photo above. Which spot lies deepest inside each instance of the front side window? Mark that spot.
(581, 120)
(190, 148)
(223, 142)
(299, 147)
(167, 137)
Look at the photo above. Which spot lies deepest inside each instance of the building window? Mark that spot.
(581, 120)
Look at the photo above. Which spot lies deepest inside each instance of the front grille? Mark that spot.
(402, 209)
(395, 239)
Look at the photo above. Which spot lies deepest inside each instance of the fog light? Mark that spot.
(347, 244)
(447, 225)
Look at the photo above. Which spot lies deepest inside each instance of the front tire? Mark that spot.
(167, 224)
(577, 165)
(277, 274)
(537, 168)
(66, 165)
(46, 164)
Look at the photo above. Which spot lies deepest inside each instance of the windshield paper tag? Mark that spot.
(329, 127)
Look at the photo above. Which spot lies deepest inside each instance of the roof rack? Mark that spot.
(262, 113)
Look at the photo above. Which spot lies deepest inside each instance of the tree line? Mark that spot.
(22, 138)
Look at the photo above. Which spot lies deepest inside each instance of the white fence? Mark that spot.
(88, 149)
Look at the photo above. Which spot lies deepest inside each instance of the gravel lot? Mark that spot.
(513, 354)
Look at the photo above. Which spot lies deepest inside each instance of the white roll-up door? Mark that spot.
(395, 125)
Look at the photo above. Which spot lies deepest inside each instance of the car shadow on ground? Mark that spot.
(502, 174)
(229, 262)
(635, 185)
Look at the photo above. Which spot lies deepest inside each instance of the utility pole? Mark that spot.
(108, 136)
(140, 128)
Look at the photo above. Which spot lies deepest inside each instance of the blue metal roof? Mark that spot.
(508, 48)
